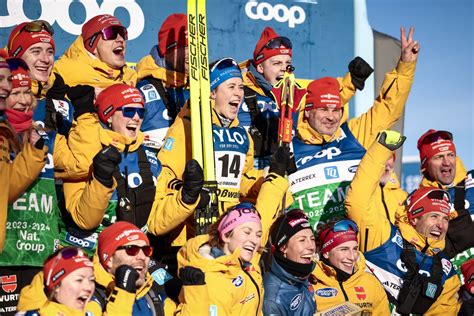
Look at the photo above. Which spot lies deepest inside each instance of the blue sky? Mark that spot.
(442, 94)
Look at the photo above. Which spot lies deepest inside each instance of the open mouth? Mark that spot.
(307, 258)
(435, 234)
(118, 50)
(249, 248)
(82, 300)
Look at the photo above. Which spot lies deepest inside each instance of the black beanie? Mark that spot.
(288, 225)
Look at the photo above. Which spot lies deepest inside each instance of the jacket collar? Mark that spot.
(284, 275)
(149, 66)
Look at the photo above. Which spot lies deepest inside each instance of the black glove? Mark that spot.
(391, 139)
(280, 161)
(82, 98)
(104, 165)
(360, 70)
(192, 276)
(53, 119)
(126, 278)
(59, 88)
(193, 180)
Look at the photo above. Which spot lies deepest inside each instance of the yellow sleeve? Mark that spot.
(25, 169)
(448, 302)
(168, 210)
(388, 106)
(66, 165)
(381, 306)
(252, 178)
(374, 227)
(194, 301)
(120, 302)
(346, 88)
(87, 201)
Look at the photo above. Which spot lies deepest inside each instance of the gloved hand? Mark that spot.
(391, 139)
(193, 180)
(360, 70)
(104, 165)
(54, 119)
(192, 276)
(280, 161)
(82, 98)
(59, 89)
(126, 278)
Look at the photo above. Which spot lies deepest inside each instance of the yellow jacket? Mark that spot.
(375, 228)
(147, 67)
(386, 110)
(32, 297)
(78, 66)
(390, 197)
(16, 175)
(362, 289)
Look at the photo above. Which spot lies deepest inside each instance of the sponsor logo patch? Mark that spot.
(296, 301)
(238, 281)
(327, 292)
(169, 143)
(331, 172)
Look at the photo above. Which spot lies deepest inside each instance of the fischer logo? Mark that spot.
(265, 11)
(58, 11)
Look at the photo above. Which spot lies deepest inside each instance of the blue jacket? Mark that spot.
(286, 294)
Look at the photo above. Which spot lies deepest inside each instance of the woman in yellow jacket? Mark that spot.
(64, 287)
(340, 275)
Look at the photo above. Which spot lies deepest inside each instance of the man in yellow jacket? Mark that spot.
(407, 259)
(328, 148)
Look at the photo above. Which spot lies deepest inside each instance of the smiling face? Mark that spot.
(300, 247)
(112, 52)
(324, 120)
(228, 97)
(433, 225)
(76, 289)
(442, 167)
(126, 126)
(20, 99)
(138, 262)
(274, 67)
(344, 256)
(5, 86)
(40, 59)
(247, 237)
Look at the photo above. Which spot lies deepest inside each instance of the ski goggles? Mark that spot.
(111, 32)
(333, 234)
(444, 135)
(276, 43)
(37, 26)
(223, 70)
(133, 250)
(64, 254)
(16, 63)
(131, 111)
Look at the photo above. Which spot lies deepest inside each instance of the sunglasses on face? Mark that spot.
(131, 111)
(66, 254)
(111, 32)
(133, 250)
(15, 63)
(276, 43)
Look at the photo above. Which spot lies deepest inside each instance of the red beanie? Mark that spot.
(114, 97)
(173, 33)
(91, 28)
(432, 143)
(117, 235)
(428, 199)
(20, 74)
(467, 269)
(262, 53)
(67, 260)
(323, 93)
(20, 39)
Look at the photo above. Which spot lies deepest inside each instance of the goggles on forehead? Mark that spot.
(111, 32)
(224, 64)
(131, 111)
(38, 26)
(133, 250)
(276, 43)
(444, 135)
(341, 226)
(15, 63)
(66, 254)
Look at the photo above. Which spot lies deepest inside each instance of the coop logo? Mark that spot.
(265, 11)
(58, 11)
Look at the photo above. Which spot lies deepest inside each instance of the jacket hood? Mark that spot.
(105, 279)
(196, 253)
(109, 137)
(326, 274)
(148, 66)
(97, 74)
(248, 77)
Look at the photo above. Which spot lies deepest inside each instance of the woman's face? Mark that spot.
(301, 247)
(344, 256)
(76, 289)
(228, 97)
(20, 99)
(247, 237)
